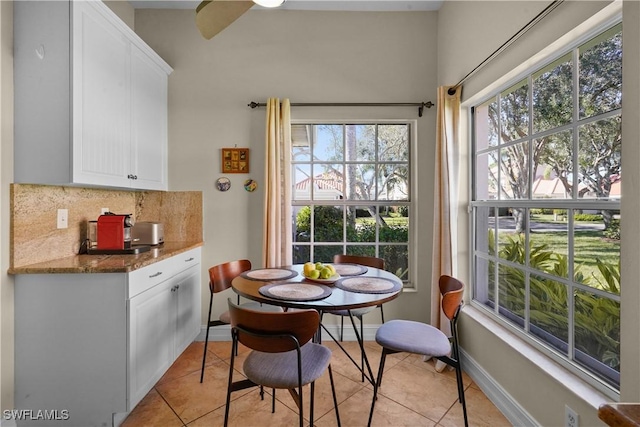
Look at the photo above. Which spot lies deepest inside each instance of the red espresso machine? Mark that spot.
(113, 233)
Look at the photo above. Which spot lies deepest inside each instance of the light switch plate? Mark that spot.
(63, 218)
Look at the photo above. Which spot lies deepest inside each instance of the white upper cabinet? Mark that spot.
(90, 99)
(149, 107)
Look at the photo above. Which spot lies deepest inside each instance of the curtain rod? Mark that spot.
(420, 105)
(547, 10)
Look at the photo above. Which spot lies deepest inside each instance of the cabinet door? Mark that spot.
(101, 102)
(149, 122)
(188, 307)
(151, 343)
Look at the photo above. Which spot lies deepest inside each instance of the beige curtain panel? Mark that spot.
(446, 185)
(277, 205)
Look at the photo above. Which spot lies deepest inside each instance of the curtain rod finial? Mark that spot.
(427, 104)
(253, 104)
(452, 90)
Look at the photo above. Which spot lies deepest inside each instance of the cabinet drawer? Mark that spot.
(186, 260)
(147, 277)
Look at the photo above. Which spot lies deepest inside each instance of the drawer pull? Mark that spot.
(189, 260)
(155, 275)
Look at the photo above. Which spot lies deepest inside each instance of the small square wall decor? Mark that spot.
(235, 160)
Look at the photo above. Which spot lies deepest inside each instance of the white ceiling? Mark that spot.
(346, 5)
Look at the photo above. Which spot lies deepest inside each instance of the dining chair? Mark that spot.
(220, 277)
(358, 313)
(398, 336)
(282, 356)
(368, 261)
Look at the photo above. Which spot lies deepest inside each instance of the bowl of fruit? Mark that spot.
(320, 273)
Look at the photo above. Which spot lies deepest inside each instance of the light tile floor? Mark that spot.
(412, 394)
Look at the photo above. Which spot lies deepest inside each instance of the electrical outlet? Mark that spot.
(570, 417)
(104, 211)
(63, 218)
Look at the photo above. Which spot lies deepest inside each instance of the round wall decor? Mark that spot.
(250, 185)
(223, 184)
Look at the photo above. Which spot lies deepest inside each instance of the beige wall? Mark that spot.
(307, 57)
(468, 33)
(6, 176)
(124, 10)
(630, 262)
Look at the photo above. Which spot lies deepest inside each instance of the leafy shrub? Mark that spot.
(329, 228)
(597, 319)
(403, 211)
(542, 211)
(588, 217)
(613, 231)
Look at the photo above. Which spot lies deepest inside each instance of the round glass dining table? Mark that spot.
(357, 287)
(346, 293)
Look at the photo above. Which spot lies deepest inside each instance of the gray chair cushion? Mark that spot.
(357, 312)
(280, 370)
(413, 337)
(252, 305)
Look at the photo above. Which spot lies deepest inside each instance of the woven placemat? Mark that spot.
(295, 291)
(350, 269)
(368, 285)
(269, 274)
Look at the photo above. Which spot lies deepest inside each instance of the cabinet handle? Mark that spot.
(189, 260)
(155, 275)
(173, 289)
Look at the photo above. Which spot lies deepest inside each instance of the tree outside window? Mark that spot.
(351, 194)
(546, 205)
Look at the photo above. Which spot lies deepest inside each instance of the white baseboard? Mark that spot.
(509, 407)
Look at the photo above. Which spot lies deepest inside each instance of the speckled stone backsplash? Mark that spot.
(34, 208)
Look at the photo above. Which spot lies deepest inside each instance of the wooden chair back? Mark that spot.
(221, 275)
(369, 261)
(270, 332)
(451, 290)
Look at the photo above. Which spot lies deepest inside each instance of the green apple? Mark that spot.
(319, 266)
(314, 274)
(325, 273)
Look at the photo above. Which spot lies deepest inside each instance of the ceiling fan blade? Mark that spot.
(214, 16)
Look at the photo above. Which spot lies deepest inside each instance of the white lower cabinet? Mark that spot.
(162, 323)
(151, 340)
(187, 319)
(88, 347)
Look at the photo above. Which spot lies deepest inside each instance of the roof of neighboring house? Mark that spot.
(554, 188)
(325, 181)
(548, 187)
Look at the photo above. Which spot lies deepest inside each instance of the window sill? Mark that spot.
(572, 382)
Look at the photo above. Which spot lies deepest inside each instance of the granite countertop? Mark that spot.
(106, 263)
